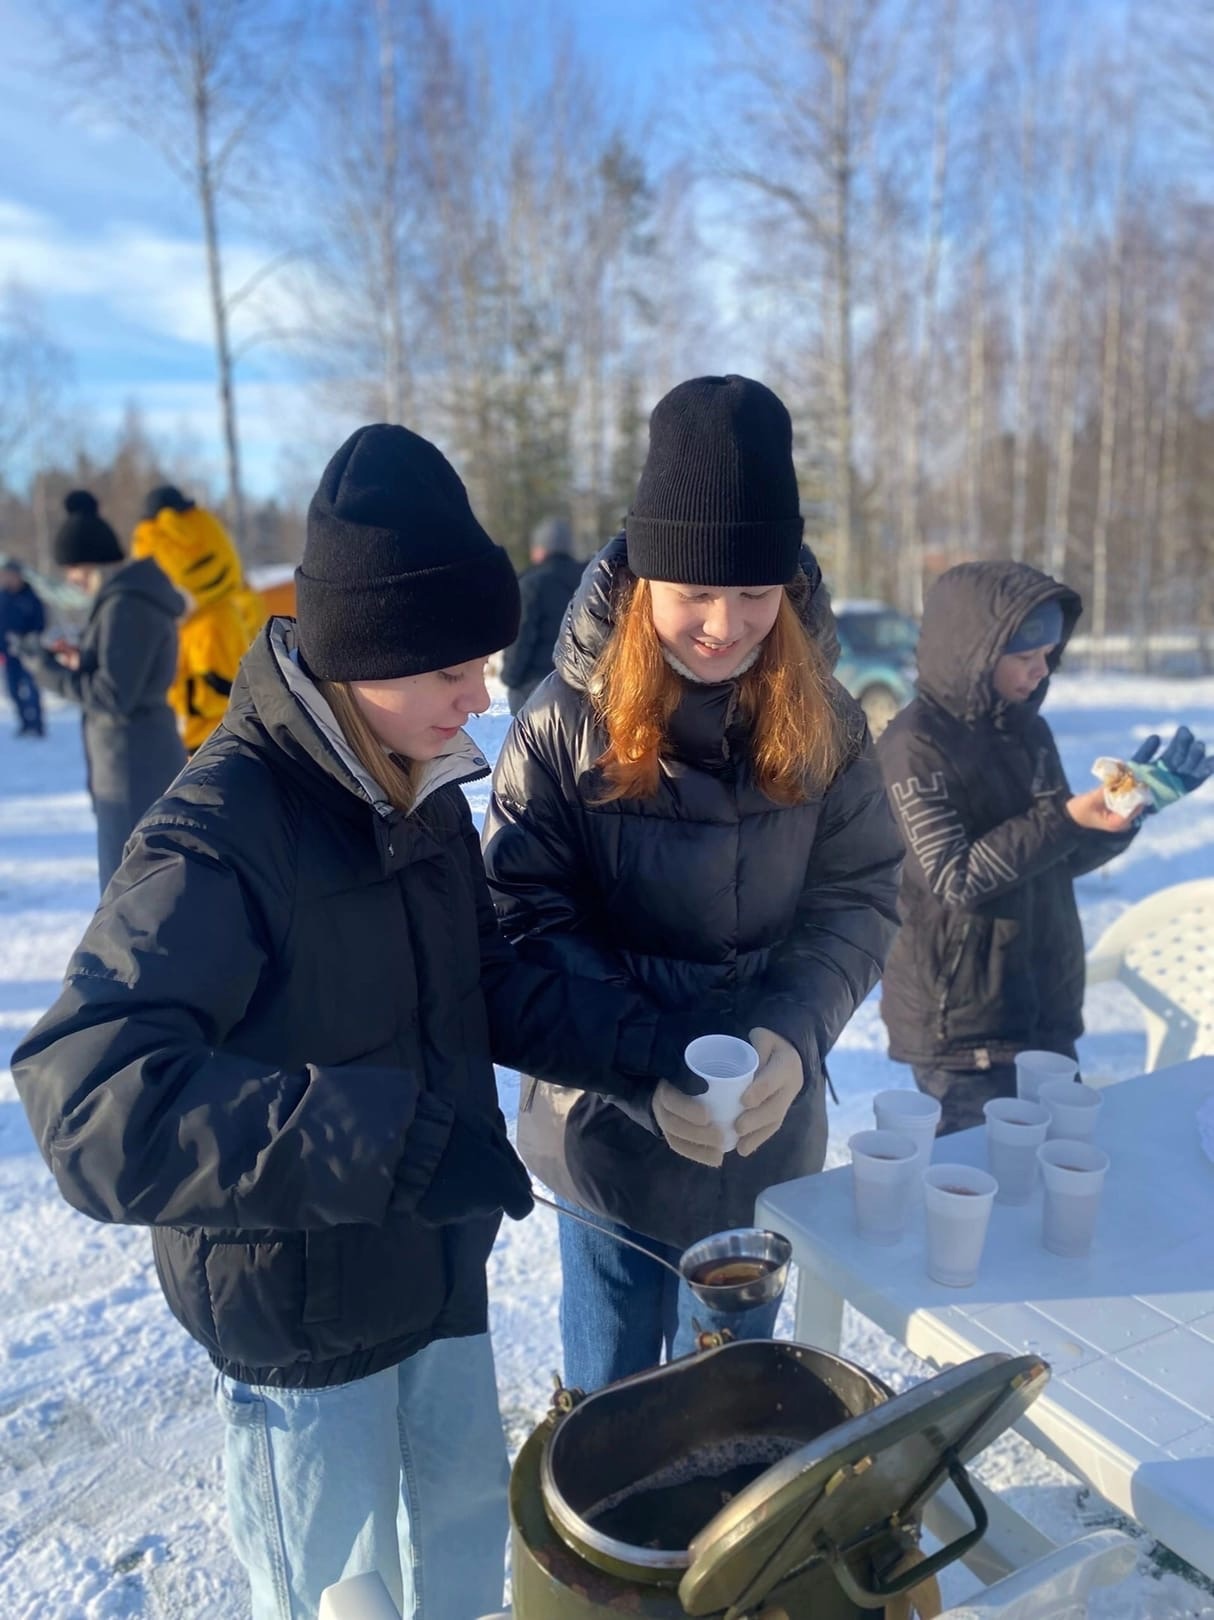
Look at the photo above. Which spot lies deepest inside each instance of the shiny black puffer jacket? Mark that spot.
(708, 895)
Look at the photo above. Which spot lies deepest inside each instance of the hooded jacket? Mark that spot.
(990, 958)
(708, 895)
(194, 550)
(128, 653)
(264, 1032)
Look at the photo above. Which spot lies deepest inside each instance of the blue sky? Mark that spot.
(94, 225)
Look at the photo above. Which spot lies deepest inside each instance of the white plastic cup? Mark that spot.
(1074, 1110)
(913, 1114)
(1073, 1174)
(959, 1200)
(360, 1597)
(728, 1065)
(1014, 1131)
(885, 1173)
(1034, 1068)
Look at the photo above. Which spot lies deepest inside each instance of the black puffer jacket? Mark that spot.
(280, 970)
(545, 591)
(989, 960)
(708, 895)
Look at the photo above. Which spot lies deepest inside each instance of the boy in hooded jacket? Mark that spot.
(989, 960)
(275, 1047)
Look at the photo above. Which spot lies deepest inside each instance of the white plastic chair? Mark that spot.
(1055, 1587)
(1162, 950)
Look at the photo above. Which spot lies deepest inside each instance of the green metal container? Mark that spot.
(820, 1533)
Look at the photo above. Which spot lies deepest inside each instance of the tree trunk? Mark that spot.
(841, 583)
(1108, 437)
(219, 309)
(923, 368)
(396, 406)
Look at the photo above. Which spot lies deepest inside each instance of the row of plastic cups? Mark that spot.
(958, 1200)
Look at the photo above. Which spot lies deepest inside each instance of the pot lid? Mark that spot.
(861, 1480)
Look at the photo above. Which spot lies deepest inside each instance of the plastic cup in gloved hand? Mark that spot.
(958, 1200)
(912, 1113)
(1014, 1132)
(1034, 1068)
(1074, 1110)
(885, 1172)
(1073, 1173)
(728, 1065)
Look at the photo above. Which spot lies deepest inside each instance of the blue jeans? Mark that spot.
(619, 1311)
(403, 1472)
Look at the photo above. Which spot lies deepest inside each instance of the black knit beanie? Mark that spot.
(155, 501)
(84, 537)
(398, 577)
(717, 503)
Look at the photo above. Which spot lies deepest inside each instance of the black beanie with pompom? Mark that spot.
(85, 538)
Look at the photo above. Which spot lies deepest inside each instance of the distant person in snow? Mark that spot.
(275, 1047)
(222, 615)
(546, 589)
(21, 615)
(119, 675)
(989, 961)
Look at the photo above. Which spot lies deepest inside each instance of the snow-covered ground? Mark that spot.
(111, 1502)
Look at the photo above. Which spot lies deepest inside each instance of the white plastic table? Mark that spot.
(1128, 1331)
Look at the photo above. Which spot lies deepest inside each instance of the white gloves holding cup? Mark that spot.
(704, 1128)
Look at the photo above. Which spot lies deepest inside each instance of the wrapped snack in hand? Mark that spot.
(1124, 792)
(1154, 780)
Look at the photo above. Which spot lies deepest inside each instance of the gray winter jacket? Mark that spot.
(128, 657)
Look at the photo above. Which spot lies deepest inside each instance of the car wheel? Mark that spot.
(880, 705)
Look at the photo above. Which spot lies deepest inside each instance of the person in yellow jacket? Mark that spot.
(224, 615)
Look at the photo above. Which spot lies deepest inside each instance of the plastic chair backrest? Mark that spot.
(1057, 1586)
(1162, 950)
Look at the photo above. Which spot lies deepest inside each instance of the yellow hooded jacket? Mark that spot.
(194, 550)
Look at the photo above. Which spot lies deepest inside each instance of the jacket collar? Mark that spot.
(274, 698)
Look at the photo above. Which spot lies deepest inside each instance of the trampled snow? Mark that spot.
(111, 1495)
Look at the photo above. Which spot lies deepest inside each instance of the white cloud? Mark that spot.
(143, 278)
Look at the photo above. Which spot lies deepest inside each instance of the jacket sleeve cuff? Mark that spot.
(424, 1145)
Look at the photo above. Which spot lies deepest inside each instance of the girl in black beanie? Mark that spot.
(689, 806)
(275, 1048)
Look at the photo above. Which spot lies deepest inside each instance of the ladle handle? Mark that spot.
(607, 1232)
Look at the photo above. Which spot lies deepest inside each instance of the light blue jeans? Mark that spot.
(403, 1472)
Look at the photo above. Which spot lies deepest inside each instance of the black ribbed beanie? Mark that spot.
(717, 503)
(84, 538)
(398, 577)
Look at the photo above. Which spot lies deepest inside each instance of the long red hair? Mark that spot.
(797, 736)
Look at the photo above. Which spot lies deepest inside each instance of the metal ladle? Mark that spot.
(770, 1249)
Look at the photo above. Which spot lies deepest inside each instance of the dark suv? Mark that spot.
(877, 658)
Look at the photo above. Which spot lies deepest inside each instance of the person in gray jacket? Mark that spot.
(119, 675)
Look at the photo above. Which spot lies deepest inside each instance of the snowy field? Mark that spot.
(110, 1484)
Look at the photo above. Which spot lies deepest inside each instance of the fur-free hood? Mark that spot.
(970, 615)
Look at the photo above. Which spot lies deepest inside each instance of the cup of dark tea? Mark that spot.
(958, 1199)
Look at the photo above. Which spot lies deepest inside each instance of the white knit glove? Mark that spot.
(775, 1087)
(686, 1124)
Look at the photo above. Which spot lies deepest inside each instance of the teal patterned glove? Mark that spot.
(1181, 768)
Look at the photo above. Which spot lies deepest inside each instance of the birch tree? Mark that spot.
(202, 81)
